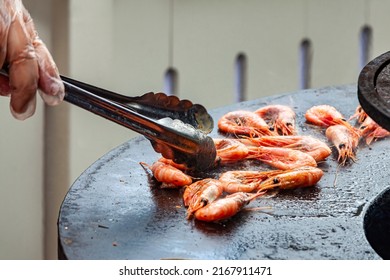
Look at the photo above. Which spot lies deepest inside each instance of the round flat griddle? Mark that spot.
(116, 210)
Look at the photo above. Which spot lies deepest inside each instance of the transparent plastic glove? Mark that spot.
(29, 64)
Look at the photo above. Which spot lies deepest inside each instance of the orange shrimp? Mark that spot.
(230, 150)
(371, 130)
(344, 140)
(209, 190)
(180, 166)
(281, 158)
(359, 114)
(245, 180)
(318, 149)
(226, 207)
(243, 123)
(191, 189)
(168, 175)
(281, 118)
(305, 176)
(325, 116)
(368, 127)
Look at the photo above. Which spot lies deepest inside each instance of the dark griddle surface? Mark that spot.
(115, 210)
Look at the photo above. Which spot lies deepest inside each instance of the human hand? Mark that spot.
(28, 62)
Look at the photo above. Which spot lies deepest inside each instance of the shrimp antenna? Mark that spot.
(146, 167)
(336, 174)
(261, 209)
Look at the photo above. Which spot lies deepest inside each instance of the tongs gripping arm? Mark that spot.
(172, 138)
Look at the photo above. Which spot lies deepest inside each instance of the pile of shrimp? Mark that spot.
(216, 199)
(267, 120)
(344, 136)
(268, 135)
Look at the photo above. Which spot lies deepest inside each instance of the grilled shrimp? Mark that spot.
(325, 116)
(209, 190)
(230, 150)
(318, 149)
(301, 177)
(179, 166)
(368, 127)
(226, 207)
(359, 114)
(191, 189)
(168, 175)
(371, 130)
(281, 118)
(344, 140)
(244, 123)
(281, 158)
(244, 180)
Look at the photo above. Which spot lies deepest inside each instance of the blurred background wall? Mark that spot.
(129, 46)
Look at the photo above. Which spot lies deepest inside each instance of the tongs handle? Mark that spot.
(155, 105)
(172, 138)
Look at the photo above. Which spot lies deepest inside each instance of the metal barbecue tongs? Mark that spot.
(176, 128)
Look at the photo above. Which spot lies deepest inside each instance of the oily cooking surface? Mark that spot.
(116, 210)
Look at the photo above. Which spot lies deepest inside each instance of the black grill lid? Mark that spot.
(374, 89)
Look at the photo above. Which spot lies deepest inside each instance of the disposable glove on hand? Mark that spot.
(28, 62)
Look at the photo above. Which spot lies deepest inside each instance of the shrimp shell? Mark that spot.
(245, 180)
(324, 116)
(281, 118)
(210, 190)
(242, 122)
(359, 114)
(368, 127)
(318, 149)
(191, 189)
(371, 130)
(301, 177)
(230, 150)
(344, 140)
(224, 208)
(168, 175)
(282, 158)
(180, 166)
